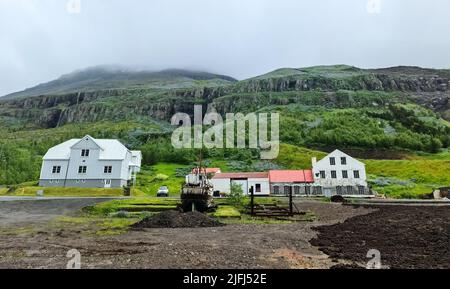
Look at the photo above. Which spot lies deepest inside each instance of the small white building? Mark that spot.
(259, 182)
(339, 173)
(89, 163)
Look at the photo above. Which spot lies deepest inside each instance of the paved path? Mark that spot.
(29, 210)
(19, 198)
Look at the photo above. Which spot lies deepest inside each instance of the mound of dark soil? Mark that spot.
(337, 199)
(176, 219)
(406, 236)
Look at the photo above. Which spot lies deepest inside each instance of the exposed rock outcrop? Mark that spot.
(429, 89)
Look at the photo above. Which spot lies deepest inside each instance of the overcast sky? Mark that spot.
(42, 39)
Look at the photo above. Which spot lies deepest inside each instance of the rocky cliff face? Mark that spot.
(430, 90)
(378, 82)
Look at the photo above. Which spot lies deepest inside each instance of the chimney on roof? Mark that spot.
(313, 160)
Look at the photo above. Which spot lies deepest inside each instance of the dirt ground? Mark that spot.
(231, 246)
(406, 237)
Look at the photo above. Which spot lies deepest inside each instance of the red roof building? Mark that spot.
(291, 176)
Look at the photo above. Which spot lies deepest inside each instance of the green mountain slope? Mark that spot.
(394, 118)
(110, 77)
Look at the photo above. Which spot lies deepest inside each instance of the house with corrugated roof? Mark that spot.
(297, 182)
(90, 163)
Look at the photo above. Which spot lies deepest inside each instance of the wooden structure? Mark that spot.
(272, 210)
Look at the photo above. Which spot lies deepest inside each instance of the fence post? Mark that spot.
(252, 195)
(290, 202)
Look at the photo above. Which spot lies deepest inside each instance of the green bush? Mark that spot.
(236, 197)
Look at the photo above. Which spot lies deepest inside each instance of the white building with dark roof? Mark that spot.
(90, 163)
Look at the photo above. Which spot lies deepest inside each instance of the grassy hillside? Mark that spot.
(393, 119)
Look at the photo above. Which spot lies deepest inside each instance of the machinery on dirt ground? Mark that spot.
(197, 192)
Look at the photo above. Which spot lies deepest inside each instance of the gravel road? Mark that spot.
(26, 211)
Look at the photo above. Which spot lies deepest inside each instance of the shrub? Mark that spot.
(236, 197)
(161, 177)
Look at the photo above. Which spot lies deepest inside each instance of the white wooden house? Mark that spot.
(341, 174)
(258, 181)
(90, 163)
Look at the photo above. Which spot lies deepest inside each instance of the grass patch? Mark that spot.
(132, 205)
(151, 178)
(247, 219)
(24, 231)
(419, 177)
(226, 211)
(70, 192)
(293, 157)
(228, 214)
(97, 225)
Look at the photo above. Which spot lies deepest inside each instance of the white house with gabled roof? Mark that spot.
(89, 163)
(341, 174)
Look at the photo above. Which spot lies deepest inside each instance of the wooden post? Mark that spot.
(252, 204)
(290, 202)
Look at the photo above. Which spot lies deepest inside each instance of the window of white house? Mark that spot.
(276, 190)
(258, 188)
(322, 174)
(84, 153)
(349, 190)
(317, 190)
(332, 161)
(333, 174)
(56, 169)
(356, 174)
(82, 169)
(297, 190)
(344, 174)
(343, 160)
(287, 190)
(307, 190)
(361, 190)
(107, 169)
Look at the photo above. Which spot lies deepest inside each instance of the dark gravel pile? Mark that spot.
(416, 237)
(176, 219)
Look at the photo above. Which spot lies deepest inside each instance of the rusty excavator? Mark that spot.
(197, 192)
